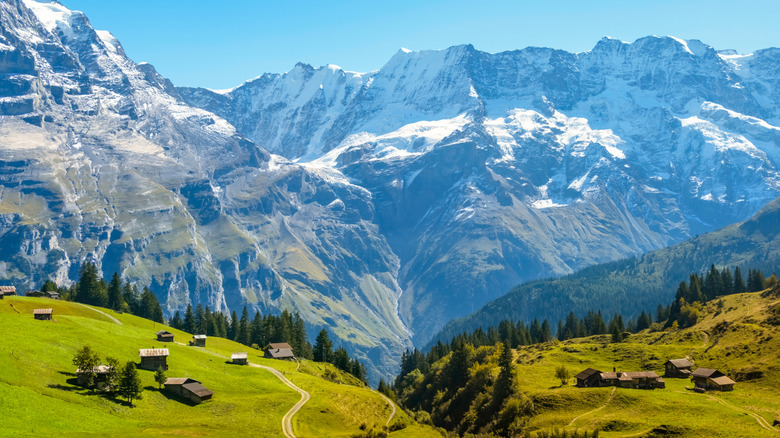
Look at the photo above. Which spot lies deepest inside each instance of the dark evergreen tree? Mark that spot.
(232, 332)
(189, 321)
(323, 347)
(177, 322)
(341, 360)
(739, 283)
(115, 300)
(244, 329)
(130, 383)
(258, 335)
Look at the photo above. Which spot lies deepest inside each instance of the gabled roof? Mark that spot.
(197, 389)
(6, 289)
(680, 363)
(101, 369)
(587, 372)
(705, 372)
(198, 336)
(641, 374)
(164, 332)
(153, 352)
(43, 311)
(239, 356)
(609, 375)
(179, 381)
(723, 380)
(277, 346)
(280, 353)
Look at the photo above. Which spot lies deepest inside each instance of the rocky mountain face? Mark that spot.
(379, 205)
(101, 160)
(488, 170)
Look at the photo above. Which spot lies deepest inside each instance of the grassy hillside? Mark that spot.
(736, 334)
(741, 338)
(630, 286)
(38, 395)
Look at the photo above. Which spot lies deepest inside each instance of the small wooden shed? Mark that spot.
(153, 358)
(43, 314)
(198, 341)
(53, 295)
(34, 294)
(8, 290)
(164, 336)
(189, 389)
(678, 368)
(708, 378)
(281, 350)
(101, 376)
(240, 358)
(588, 378)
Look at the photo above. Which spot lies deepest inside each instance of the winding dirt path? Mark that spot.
(305, 396)
(759, 419)
(611, 394)
(392, 406)
(116, 321)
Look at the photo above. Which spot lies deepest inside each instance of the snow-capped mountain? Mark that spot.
(381, 204)
(487, 170)
(101, 160)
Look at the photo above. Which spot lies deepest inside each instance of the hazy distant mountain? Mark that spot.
(638, 283)
(421, 191)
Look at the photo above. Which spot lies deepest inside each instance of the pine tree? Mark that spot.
(115, 300)
(323, 347)
(130, 383)
(112, 376)
(546, 332)
(160, 377)
(244, 330)
(177, 322)
(258, 336)
(505, 384)
(341, 360)
(200, 314)
(232, 333)
(739, 283)
(189, 321)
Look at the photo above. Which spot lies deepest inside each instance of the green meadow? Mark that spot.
(38, 395)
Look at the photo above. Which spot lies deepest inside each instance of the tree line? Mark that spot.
(93, 289)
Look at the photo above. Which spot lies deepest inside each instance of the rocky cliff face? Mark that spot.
(487, 170)
(101, 160)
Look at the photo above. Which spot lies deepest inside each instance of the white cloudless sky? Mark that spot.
(221, 44)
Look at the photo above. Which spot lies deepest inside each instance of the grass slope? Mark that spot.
(738, 339)
(38, 395)
(632, 285)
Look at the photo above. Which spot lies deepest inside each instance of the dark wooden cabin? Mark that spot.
(710, 379)
(678, 368)
(588, 378)
(240, 358)
(43, 314)
(281, 350)
(8, 290)
(153, 358)
(198, 341)
(164, 336)
(188, 389)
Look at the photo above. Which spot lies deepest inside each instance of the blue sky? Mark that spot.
(221, 44)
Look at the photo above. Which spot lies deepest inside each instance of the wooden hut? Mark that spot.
(708, 379)
(153, 358)
(43, 314)
(51, 294)
(164, 336)
(8, 290)
(240, 358)
(34, 294)
(280, 350)
(632, 379)
(678, 368)
(101, 376)
(198, 341)
(189, 389)
(588, 378)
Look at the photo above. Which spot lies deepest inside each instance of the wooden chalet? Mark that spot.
(632, 379)
(240, 358)
(34, 294)
(188, 389)
(153, 358)
(43, 314)
(198, 341)
(678, 368)
(589, 378)
(709, 379)
(101, 376)
(164, 336)
(8, 290)
(51, 294)
(280, 350)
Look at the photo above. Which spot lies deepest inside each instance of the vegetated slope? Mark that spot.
(630, 286)
(490, 170)
(39, 396)
(737, 334)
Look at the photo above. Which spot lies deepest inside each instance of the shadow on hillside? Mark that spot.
(175, 397)
(73, 386)
(67, 373)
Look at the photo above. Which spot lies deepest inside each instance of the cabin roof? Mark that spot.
(278, 345)
(197, 389)
(587, 372)
(680, 363)
(239, 356)
(280, 353)
(43, 311)
(723, 380)
(8, 289)
(199, 336)
(703, 372)
(153, 352)
(101, 369)
(163, 332)
(178, 380)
